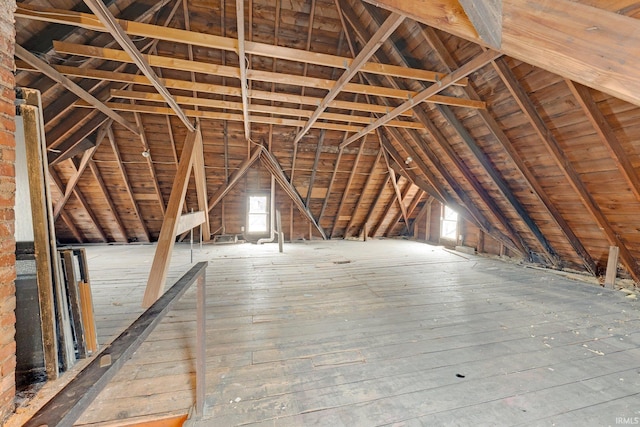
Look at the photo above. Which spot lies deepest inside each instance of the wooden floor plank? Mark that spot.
(385, 332)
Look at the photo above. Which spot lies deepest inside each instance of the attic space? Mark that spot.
(319, 212)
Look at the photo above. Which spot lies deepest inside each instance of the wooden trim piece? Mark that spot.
(56, 76)
(386, 29)
(70, 402)
(110, 23)
(166, 239)
(468, 68)
(189, 220)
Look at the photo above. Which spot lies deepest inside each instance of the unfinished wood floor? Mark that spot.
(399, 333)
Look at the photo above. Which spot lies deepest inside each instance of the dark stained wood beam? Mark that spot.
(547, 138)
(500, 183)
(450, 63)
(578, 41)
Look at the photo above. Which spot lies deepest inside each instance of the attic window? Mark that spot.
(449, 224)
(258, 214)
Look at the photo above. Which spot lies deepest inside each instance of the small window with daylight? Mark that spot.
(449, 226)
(258, 216)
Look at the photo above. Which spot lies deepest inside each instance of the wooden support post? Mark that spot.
(480, 246)
(201, 344)
(612, 267)
(279, 230)
(166, 240)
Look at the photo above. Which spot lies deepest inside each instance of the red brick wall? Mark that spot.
(7, 201)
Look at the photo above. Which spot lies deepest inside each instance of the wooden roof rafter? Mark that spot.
(229, 44)
(257, 75)
(53, 74)
(242, 65)
(431, 37)
(384, 32)
(110, 23)
(560, 158)
(473, 65)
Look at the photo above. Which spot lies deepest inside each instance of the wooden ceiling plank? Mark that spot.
(110, 23)
(176, 35)
(364, 191)
(53, 74)
(606, 135)
(166, 239)
(380, 36)
(558, 155)
(127, 184)
(352, 174)
(537, 33)
(468, 68)
(112, 207)
(68, 221)
(469, 206)
(228, 71)
(450, 63)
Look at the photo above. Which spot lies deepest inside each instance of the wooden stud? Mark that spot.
(612, 267)
(166, 240)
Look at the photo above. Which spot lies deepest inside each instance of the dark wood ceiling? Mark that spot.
(544, 165)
